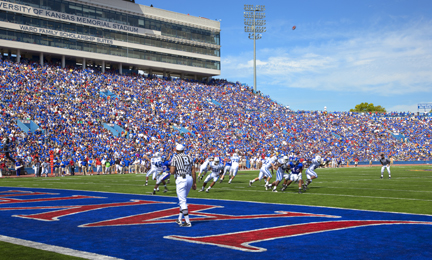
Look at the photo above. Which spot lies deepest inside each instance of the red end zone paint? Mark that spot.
(55, 215)
(25, 194)
(242, 240)
(73, 197)
(157, 217)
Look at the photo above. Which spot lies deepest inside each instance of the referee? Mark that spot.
(182, 166)
(385, 164)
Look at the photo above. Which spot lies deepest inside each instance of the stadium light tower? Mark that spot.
(254, 20)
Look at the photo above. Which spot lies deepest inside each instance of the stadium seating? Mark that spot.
(153, 114)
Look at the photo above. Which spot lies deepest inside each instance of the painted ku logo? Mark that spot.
(241, 240)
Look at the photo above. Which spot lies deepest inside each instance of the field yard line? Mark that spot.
(259, 202)
(378, 179)
(378, 189)
(343, 195)
(340, 195)
(55, 249)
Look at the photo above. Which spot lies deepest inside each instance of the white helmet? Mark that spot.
(318, 158)
(235, 154)
(285, 159)
(216, 161)
(157, 154)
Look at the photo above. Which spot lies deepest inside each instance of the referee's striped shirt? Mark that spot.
(183, 164)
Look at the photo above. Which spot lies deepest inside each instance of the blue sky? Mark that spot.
(341, 54)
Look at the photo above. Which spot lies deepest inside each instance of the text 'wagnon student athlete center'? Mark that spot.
(110, 35)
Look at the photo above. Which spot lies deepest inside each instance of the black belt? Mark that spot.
(184, 175)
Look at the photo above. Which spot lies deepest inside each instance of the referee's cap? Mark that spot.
(179, 147)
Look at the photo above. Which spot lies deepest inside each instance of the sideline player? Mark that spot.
(310, 172)
(235, 160)
(182, 166)
(165, 175)
(216, 168)
(6, 149)
(385, 165)
(264, 171)
(282, 167)
(204, 167)
(154, 161)
(295, 175)
(227, 168)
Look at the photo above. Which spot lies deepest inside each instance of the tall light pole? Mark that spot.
(255, 25)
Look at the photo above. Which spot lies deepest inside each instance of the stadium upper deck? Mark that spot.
(110, 34)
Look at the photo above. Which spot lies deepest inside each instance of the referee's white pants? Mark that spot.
(183, 187)
(384, 167)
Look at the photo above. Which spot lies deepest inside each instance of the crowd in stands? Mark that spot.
(67, 106)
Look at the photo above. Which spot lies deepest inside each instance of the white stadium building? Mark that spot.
(110, 35)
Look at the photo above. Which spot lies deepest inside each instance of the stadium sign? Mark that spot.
(28, 10)
(65, 34)
(425, 106)
(129, 226)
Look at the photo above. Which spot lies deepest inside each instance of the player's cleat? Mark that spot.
(157, 188)
(229, 182)
(186, 224)
(283, 187)
(300, 192)
(389, 177)
(146, 183)
(250, 183)
(179, 222)
(201, 190)
(381, 177)
(154, 192)
(304, 187)
(221, 181)
(202, 176)
(266, 186)
(165, 190)
(207, 190)
(274, 190)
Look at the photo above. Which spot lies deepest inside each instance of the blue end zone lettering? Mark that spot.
(131, 226)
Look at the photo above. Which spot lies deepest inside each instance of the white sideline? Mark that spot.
(56, 249)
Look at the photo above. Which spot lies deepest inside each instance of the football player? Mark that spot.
(216, 169)
(204, 166)
(268, 165)
(310, 172)
(154, 169)
(235, 162)
(282, 166)
(295, 175)
(163, 176)
(227, 168)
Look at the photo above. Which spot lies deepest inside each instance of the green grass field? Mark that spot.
(408, 191)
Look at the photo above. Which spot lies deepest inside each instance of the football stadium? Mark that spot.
(119, 141)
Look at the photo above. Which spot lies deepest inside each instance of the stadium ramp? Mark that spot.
(28, 126)
(114, 129)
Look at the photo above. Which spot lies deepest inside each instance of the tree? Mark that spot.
(366, 107)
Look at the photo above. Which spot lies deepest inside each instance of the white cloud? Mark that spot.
(384, 62)
(404, 108)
